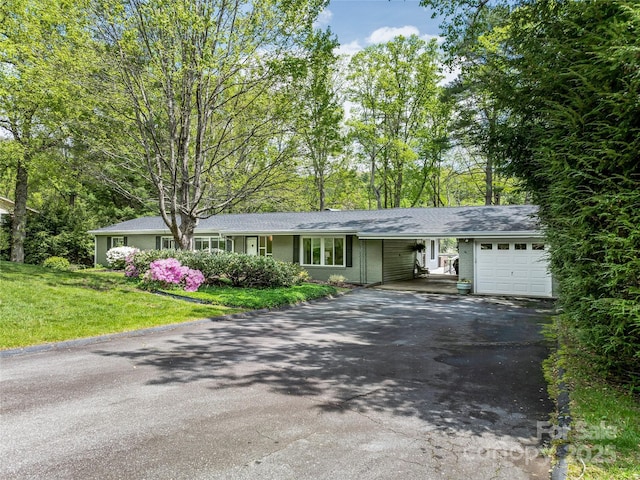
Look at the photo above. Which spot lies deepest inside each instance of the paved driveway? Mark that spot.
(372, 385)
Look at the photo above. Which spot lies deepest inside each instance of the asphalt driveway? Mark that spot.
(371, 385)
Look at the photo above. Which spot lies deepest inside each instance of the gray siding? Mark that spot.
(370, 258)
(101, 251)
(283, 248)
(398, 260)
(466, 262)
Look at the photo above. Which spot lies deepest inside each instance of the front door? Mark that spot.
(252, 246)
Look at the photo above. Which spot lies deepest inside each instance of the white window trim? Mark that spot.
(209, 238)
(322, 251)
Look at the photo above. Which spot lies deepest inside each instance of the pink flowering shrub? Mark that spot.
(170, 272)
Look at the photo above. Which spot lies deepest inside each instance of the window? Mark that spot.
(209, 244)
(117, 242)
(520, 246)
(265, 248)
(323, 251)
(167, 243)
(537, 246)
(503, 246)
(486, 246)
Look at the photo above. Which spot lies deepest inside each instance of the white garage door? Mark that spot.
(512, 267)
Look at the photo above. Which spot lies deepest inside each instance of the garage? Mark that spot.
(512, 267)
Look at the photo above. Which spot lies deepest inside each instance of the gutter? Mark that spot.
(496, 234)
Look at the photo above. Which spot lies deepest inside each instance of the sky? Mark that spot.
(359, 23)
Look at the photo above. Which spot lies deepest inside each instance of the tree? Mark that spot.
(206, 96)
(578, 89)
(39, 94)
(320, 113)
(569, 77)
(393, 87)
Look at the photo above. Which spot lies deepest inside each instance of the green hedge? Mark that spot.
(223, 268)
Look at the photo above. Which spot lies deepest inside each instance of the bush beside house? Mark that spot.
(222, 268)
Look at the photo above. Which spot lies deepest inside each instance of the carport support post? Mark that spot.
(466, 261)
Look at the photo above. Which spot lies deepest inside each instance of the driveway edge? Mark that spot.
(80, 342)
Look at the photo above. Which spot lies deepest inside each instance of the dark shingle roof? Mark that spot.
(398, 222)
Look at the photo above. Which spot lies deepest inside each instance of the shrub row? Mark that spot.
(222, 268)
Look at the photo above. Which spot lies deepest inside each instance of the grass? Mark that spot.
(605, 435)
(39, 305)
(255, 298)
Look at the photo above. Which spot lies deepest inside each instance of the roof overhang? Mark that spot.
(361, 235)
(110, 233)
(406, 236)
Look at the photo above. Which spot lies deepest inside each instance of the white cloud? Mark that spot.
(349, 48)
(450, 74)
(324, 18)
(428, 37)
(385, 34)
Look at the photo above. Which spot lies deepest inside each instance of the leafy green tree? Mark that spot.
(393, 87)
(39, 91)
(205, 92)
(320, 115)
(578, 89)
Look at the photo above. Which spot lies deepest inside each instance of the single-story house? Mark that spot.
(501, 248)
(7, 206)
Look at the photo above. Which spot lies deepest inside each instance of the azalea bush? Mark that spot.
(169, 272)
(117, 256)
(221, 268)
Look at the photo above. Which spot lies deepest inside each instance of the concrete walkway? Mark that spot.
(372, 385)
(432, 283)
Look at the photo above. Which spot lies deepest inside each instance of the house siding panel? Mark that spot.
(466, 261)
(283, 248)
(398, 260)
(370, 261)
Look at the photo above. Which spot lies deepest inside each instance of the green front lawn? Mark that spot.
(605, 435)
(255, 298)
(39, 305)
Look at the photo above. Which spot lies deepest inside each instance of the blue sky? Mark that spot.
(359, 23)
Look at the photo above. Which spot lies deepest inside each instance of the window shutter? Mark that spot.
(349, 251)
(158, 243)
(296, 249)
(126, 241)
(108, 243)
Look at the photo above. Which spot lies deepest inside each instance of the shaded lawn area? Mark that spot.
(255, 298)
(604, 440)
(39, 305)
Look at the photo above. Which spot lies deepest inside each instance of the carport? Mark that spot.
(501, 250)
